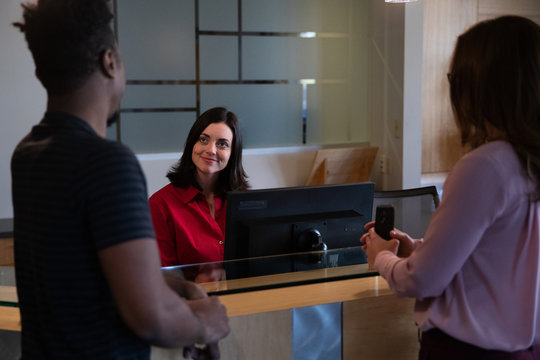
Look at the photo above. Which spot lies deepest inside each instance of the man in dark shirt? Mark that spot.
(87, 266)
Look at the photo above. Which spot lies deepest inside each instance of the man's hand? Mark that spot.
(166, 311)
(206, 352)
(213, 316)
(192, 291)
(210, 273)
(184, 288)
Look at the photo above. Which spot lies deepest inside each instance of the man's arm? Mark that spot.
(187, 289)
(150, 307)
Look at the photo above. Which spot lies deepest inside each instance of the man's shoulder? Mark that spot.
(108, 163)
(111, 147)
(104, 152)
(74, 141)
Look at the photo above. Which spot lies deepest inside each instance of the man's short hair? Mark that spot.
(66, 39)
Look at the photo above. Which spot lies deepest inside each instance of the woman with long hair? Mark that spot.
(189, 213)
(476, 273)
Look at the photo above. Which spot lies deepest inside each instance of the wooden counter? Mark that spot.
(254, 302)
(9, 315)
(376, 325)
(304, 295)
(10, 318)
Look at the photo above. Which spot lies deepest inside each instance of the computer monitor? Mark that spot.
(297, 219)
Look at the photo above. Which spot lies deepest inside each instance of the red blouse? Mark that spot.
(186, 233)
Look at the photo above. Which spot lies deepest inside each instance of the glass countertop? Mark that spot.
(262, 273)
(252, 274)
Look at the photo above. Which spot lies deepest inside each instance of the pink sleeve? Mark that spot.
(473, 196)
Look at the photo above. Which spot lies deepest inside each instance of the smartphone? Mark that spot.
(384, 221)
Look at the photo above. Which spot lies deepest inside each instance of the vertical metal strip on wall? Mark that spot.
(304, 113)
(197, 62)
(239, 40)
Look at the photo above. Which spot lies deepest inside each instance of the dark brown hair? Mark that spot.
(67, 39)
(233, 177)
(495, 81)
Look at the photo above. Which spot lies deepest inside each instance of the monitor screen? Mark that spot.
(297, 219)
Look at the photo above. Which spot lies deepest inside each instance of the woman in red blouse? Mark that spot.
(189, 213)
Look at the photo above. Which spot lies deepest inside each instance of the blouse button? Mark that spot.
(220, 242)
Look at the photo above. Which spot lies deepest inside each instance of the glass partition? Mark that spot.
(252, 274)
(294, 72)
(269, 272)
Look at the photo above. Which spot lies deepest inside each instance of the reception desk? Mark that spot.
(268, 298)
(289, 306)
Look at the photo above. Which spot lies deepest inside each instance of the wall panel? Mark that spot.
(444, 20)
(492, 8)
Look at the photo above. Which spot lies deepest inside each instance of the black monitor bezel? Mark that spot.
(261, 204)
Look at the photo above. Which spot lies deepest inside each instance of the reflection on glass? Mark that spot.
(243, 275)
(234, 276)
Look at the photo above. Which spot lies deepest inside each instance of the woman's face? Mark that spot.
(212, 150)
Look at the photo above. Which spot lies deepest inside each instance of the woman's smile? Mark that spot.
(209, 160)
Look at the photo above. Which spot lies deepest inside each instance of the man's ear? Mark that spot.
(108, 63)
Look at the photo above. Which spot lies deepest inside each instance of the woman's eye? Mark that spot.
(203, 140)
(222, 145)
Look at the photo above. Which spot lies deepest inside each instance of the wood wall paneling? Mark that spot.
(444, 21)
(493, 8)
(380, 328)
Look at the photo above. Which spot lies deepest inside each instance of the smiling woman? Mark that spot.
(189, 213)
(211, 154)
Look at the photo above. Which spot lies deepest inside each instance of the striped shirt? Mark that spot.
(74, 194)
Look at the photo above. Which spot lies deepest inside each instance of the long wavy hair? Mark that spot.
(495, 82)
(233, 176)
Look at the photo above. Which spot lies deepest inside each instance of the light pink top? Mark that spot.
(476, 275)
